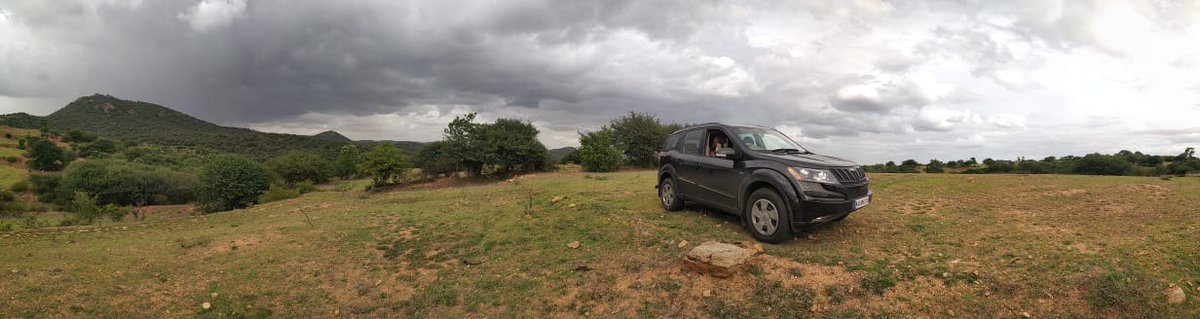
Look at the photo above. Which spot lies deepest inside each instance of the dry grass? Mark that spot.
(928, 246)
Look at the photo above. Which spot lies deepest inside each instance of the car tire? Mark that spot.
(767, 217)
(668, 195)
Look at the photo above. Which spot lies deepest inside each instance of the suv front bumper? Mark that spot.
(812, 211)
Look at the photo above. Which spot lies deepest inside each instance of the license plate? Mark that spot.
(859, 203)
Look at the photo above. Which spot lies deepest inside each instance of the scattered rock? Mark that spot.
(1025, 314)
(707, 293)
(754, 247)
(573, 245)
(571, 206)
(206, 305)
(950, 312)
(556, 199)
(1175, 295)
(720, 260)
(811, 237)
(214, 295)
(337, 312)
(683, 243)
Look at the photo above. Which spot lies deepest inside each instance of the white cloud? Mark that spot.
(1007, 120)
(211, 14)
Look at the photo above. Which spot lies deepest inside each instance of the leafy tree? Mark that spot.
(505, 147)
(908, 166)
(999, 166)
(347, 162)
(383, 163)
(598, 151)
(438, 158)
(46, 156)
(639, 137)
(935, 166)
(119, 182)
(572, 157)
(77, 136)
(1099, 164)
(231, 181)
(97, 148)
(298, 166)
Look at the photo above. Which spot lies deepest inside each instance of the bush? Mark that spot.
(12, 158)
(229, 182)
(19, 187)
(46, 156)
(383, 163)
(295, 166)
(120, 182)
(281, 192)
(6, 196)
(438, 158)
(1098, 164)
(935, 166)
(598, 152)
(347, 162)
(46, 188)
(85, 208)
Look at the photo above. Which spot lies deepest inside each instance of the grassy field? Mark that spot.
(928, 246)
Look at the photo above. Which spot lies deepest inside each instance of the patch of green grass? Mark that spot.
(9, 174)
(1126, 291)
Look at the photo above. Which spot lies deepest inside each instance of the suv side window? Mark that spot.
(693, 142)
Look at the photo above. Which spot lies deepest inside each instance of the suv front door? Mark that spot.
(719, 178)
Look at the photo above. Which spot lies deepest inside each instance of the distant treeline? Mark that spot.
(1123, 163)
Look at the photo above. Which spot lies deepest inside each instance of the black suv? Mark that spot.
(774, 184)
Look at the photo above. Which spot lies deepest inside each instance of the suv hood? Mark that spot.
(809, 160)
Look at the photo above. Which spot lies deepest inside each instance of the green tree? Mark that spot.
(639, 136)
(229, 182)
(935, 166)
(383, 163)
(438, 158)
(97, 148)
(46, 156)
(1099, 164)
(298, 166)
(504, 147)
(346, 166)
(908, 166)
(598, 151)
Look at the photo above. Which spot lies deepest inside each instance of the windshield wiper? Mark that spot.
(787, 151)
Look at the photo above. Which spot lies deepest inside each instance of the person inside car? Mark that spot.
(719, 141)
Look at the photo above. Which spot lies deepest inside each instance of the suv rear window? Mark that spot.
(672, 142)
(692, 141)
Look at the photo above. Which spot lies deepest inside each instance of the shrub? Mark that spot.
(296, 166)
(120, 182)
(85, 208)
(46, 188)
(279, 192)
(46, 156)
(1098, 164)
(383, 163)
(935, 166)
(114, 212)
(598, 152)
(438, 158)
(228, 182)
(347, 162)
(7, 196)
(12, 158)
(19, 187)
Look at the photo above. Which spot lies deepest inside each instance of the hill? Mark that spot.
(951, 245)
(149, 123)
(333, 136)
(558, 153)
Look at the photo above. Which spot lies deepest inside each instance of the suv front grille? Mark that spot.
(850, 175)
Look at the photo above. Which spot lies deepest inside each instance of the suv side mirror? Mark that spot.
(726, 152)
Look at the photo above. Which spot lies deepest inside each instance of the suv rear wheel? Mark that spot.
(767, 217)
(669, 195)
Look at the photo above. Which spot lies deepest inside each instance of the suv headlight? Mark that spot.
(812, 175)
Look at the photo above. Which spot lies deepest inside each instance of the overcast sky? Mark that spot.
(868, 80)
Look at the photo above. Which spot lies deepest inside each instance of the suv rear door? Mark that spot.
(687, 163)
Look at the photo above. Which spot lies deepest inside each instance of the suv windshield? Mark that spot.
(767, 140)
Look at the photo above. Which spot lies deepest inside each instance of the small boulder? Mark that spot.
(1175, 295)
(573, 245)
(206, 305)
(556, 199)
(720, 260)
(683, 243)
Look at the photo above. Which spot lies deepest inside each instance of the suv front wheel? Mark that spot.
(669, 195)
(767, 217)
